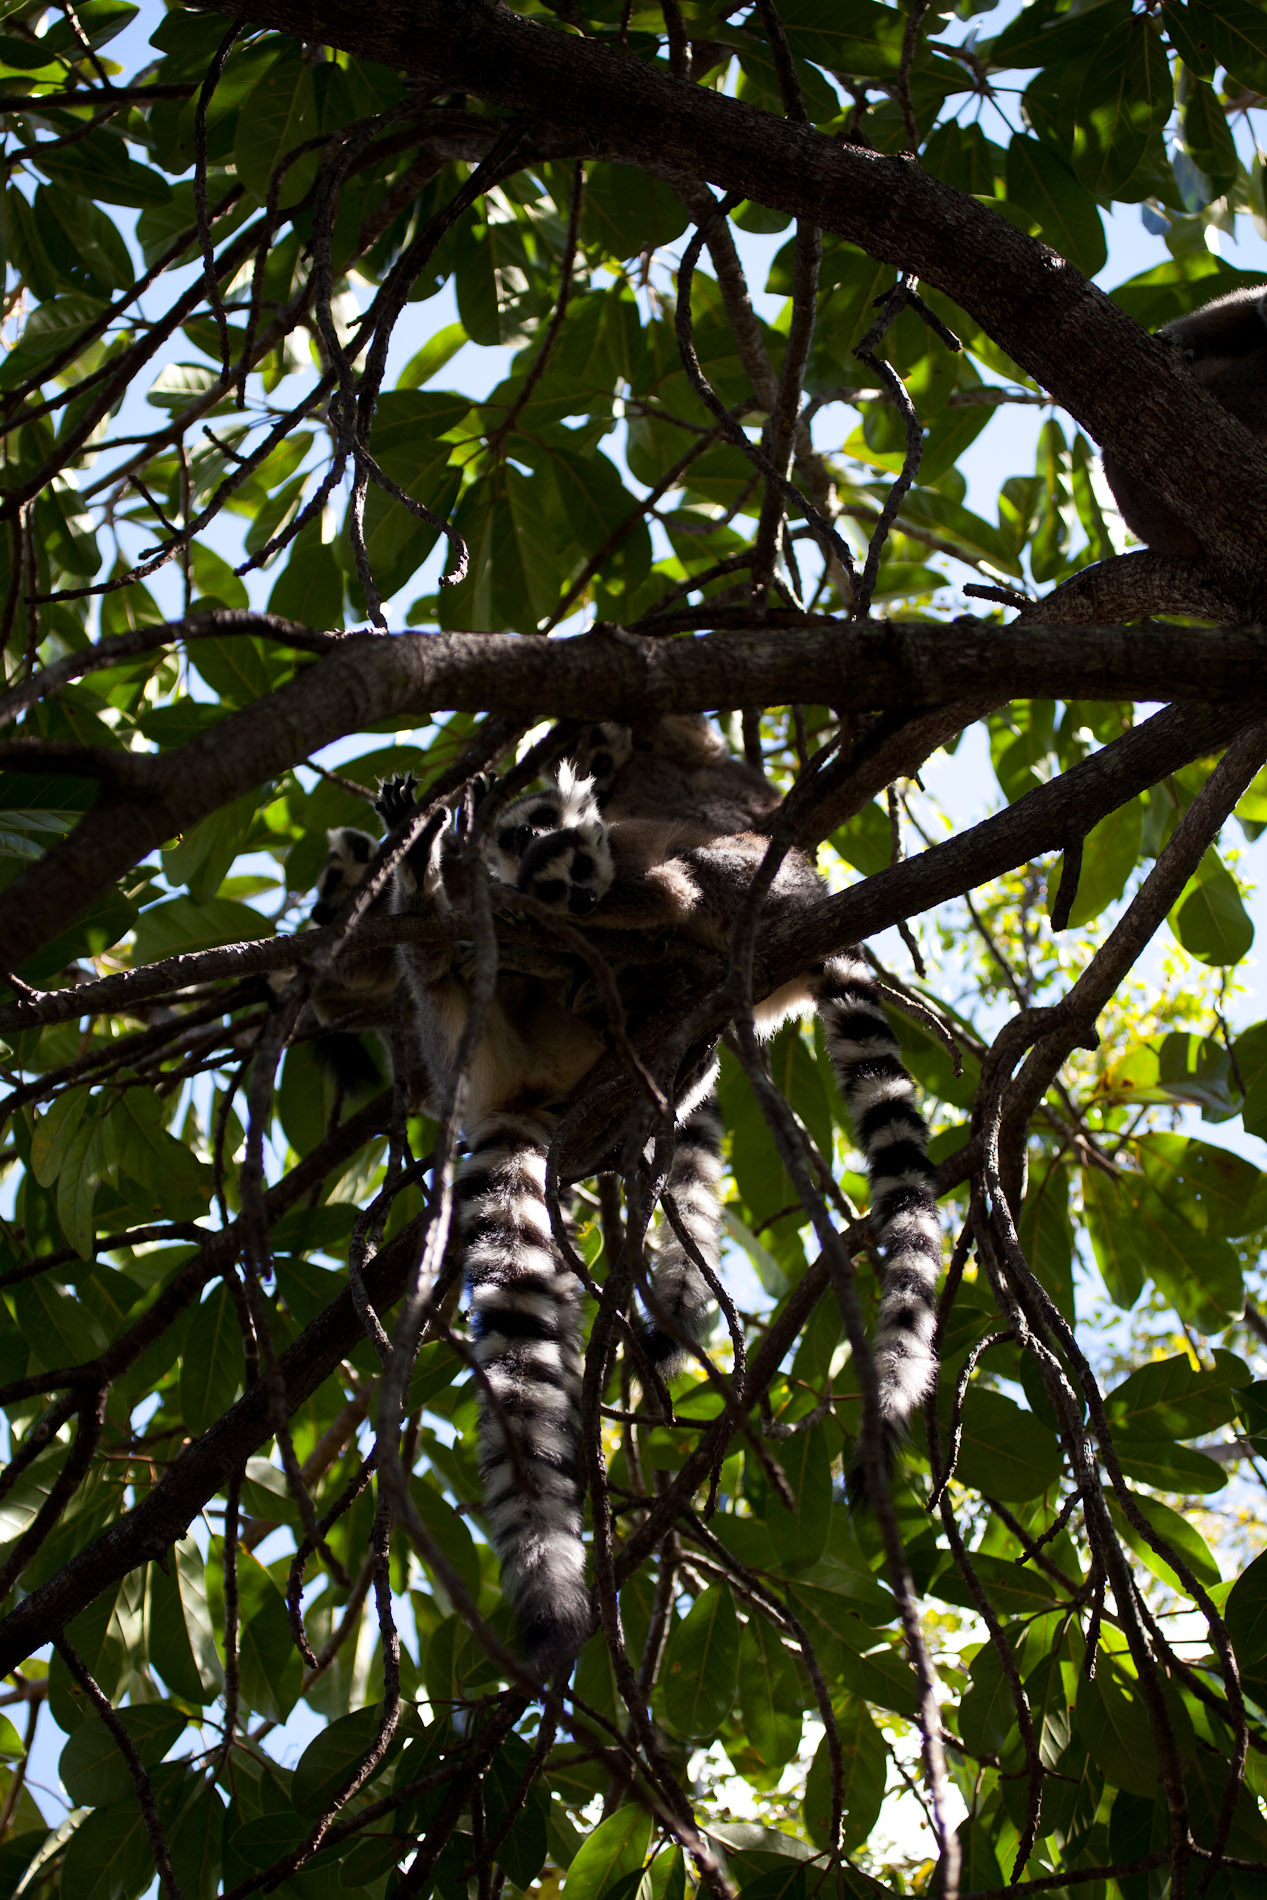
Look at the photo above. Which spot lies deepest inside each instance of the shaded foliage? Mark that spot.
(249, 278)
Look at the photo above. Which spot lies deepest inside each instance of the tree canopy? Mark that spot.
(752, 279)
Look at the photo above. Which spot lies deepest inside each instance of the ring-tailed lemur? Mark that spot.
(635, 864)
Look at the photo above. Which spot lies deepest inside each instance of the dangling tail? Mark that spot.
(880, 1096)
(682, 1302)
(525, 1318)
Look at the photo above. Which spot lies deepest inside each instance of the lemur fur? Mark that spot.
(1225, 343)
(635, 865)
(681, 763)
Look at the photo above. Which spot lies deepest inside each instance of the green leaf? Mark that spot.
(183, 1646)
(201, 858)
(1004, 1450)
(332, 1758)
(1066, 213)
(212, 1365)
(1238, 33)
(109, 1856)
(1126, 93)
(860, 38)
(699, 1674)
(1183, 1537)
(173, 928)
(435, 353)
(864, 1769)
(1210, 920)
(1110, 852)
(98, 168)
(309, 588)
(1172, 1398)
(92, 1769)
(987, 1713)
(800, 1535)
(769, 1695)
(270, 1667)
(617, 1847)
(1115, 1727)
(279, 115)
(1246, 1612)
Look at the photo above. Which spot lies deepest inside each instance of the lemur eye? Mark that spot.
(523, 837)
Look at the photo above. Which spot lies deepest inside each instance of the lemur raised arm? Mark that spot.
(660, 835)
(1225, 343)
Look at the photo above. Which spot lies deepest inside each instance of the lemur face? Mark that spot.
(553, 845)
(342, 872)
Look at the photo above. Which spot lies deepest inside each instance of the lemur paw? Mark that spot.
(553, 845)
(601, 752)
(396, 803)
(397, 806)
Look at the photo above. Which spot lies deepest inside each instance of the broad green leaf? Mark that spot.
(1246, 1612)
(201, 858)
(1210, 919)
(699, 1673)
(183, 1645)
(1115, 1727)
(987, 1713)
(212, 1365)
(617, 1847)
(333, 1757)
(98, 168)
(800, 1535)
(1004, 1451)
(92, 1769)
(309, 588)
(1172, 1398)
(279, 116)
(1109, 854)
(770, 1694)
(1067, 215)
(270, 1667)
(178, 926)
(432, 357)
(1182, 1537)
(1113, 1235)
(109, 1856)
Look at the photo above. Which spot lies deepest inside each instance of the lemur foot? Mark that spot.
(553, 845)
(397, 806)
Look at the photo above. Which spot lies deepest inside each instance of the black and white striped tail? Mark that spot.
(526, 1322)
(682, 1301)
(880, 1096)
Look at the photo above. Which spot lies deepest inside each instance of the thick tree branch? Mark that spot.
(607, 674)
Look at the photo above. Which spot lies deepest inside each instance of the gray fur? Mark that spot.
(1225, 343)
(681, 1303)
(676, 846)
(678, 765)
(526, 1322)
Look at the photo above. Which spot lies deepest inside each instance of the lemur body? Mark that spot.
(636, 865)
(682, 761)
(1225, 343)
